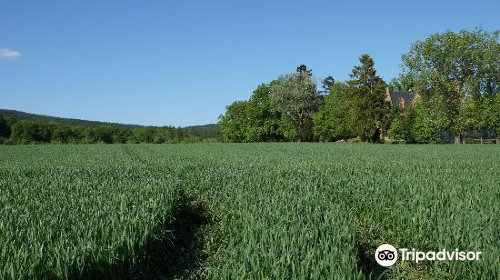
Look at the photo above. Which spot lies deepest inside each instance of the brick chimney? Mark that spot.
(388, 95)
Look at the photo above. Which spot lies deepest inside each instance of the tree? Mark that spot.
(142, 135)
(431, 119)
(367, 91)
(404, 82)
(63, 133)
(327, 84)
(302, 69)
(334, 118)
(234, 123)
(494, 119)
(256, 120)
(402, 124)
(296, 98)
(121, 135)
(457, 67)
(25, 132)
(99, 134)
(263, 122)
(4, 128)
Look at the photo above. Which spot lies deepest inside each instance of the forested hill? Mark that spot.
(23, 128)
(18, 115)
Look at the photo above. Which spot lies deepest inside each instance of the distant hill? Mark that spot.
(18, 127)
(199, 130)
(18, 115)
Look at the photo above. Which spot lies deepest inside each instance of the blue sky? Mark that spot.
(181, 62)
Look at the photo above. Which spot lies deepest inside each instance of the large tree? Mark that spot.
(234, 123)
(296, 98)
(367, 93)
(334, 119)
(263, 122)
(458, 67)
(431, 119)
(254, 120)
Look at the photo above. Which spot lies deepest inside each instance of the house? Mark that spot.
(403, 99)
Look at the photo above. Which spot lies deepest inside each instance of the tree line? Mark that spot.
(455, 77)
(13, 131)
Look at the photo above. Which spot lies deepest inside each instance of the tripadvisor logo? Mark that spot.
(387, 255)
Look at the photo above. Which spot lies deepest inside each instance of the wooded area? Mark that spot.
(455, 76)
(61, 131)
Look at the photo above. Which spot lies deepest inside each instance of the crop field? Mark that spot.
(246, 211)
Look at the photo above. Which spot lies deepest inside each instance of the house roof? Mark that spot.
(406, 95)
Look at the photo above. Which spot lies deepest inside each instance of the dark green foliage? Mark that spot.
(31, 132)
(404, 82)
(458, 67)
(327, 84)
(4, 128)
(356, 109)
(31, 128)
(371, 110)
(333, 121)
(143, 135)
(34, 117)
(208, 131)
(26, 132)
(254, 120)
(494, 117)
(302, 69)
(431, 119)
(65, 134)
(402, 124)
(121, 135)
(234, 123)
(264, 123)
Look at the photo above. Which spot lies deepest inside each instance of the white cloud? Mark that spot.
(9, 54)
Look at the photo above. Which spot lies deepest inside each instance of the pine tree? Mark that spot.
(367, 90)
(327, 84)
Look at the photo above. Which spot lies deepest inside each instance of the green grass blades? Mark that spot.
(246, 211)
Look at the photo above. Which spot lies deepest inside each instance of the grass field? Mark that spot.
(246, 211)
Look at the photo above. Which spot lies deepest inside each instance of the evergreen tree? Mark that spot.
(327, 84)
(367, 90)
(302, 69)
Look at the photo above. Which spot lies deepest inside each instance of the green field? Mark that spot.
(246, 211)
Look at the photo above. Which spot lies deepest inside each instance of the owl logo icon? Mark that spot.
(386, 255)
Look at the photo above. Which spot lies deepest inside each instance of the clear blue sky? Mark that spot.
(181, 62)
